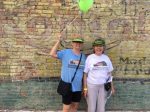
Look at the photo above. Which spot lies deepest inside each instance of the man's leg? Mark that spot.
(76, 97)
(66, 108)
(74, 107)
(66, 100)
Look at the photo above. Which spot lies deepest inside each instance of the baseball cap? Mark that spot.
(99, 42)
(79, 40)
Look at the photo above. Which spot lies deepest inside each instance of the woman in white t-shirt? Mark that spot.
(98, 68)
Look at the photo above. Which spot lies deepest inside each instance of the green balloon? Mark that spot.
(85, 5)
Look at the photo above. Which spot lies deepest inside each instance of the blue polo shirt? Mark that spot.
(69, 63)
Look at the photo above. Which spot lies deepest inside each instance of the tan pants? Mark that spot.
(96, 98)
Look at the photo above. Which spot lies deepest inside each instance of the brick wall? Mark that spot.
(29, 28)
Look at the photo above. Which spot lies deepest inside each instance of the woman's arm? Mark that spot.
(112, 85)
(85, 84)
(112, 88)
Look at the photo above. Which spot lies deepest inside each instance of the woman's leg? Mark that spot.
(101, 99)
(92, 97)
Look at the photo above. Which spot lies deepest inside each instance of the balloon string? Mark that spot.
(69, 24)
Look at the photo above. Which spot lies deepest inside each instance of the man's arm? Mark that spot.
(54, 49)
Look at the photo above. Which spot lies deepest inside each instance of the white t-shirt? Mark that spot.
(98, 68)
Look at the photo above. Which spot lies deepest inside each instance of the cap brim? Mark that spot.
(78, 41)
(98, 45)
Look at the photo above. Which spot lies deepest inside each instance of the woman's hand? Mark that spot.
(85, 91)
(113, 90)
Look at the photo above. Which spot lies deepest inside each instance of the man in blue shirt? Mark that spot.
(70, 59)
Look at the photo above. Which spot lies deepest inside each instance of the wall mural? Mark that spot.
(28, 29)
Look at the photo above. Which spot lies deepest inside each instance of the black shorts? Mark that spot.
(72, 97)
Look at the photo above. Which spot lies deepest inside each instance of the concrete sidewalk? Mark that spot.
(58, 111)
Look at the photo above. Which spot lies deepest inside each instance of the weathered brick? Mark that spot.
(28, 30)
